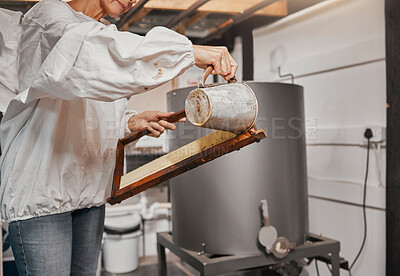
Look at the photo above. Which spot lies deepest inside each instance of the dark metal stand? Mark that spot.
(316, 247)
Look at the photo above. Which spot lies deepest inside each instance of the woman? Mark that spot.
(59, 133)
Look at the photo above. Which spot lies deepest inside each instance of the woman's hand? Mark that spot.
(154, 121)
(218, 57)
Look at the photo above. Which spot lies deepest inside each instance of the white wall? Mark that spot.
(155, 99)
(340, 103)
(345, 39)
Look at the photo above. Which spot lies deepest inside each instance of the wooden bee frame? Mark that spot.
(174, 163)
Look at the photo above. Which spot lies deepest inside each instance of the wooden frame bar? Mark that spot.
(120, 154)
(230, 143)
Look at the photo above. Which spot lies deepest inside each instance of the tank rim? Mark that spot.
(246, 82)
(274, 83)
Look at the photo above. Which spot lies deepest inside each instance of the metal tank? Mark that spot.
(216, 207)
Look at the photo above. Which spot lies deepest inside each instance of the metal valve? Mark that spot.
(268, 236)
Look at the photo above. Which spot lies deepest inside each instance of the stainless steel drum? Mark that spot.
(216, 207)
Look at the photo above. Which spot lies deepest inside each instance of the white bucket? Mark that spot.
(121, 250)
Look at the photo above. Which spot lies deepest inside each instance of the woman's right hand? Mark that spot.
(218, 57)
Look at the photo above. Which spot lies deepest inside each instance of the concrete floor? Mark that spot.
(175, 267)
(148, 267)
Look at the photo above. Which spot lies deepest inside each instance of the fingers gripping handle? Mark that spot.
(207, 72)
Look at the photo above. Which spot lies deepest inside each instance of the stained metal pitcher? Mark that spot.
(231, 107)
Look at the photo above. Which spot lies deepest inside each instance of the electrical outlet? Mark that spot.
(379, 134)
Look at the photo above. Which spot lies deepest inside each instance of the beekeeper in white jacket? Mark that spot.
(59, 133)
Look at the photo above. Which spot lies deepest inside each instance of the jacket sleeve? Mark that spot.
(10, 32)
(99, 62)
(128, 114)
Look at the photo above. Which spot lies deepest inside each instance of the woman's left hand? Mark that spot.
(154, 121)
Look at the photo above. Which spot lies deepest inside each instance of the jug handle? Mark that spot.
(207, 72)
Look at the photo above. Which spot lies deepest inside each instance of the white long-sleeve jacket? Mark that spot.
(10, 32)
(59, 134)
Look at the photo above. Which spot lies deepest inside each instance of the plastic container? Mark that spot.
(121, 243)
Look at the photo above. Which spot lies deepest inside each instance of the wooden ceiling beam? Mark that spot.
(279, 8)
(182, 26)
(132, 12)
(198, 16)
(186, 13)
(222, 28)
(142, 13)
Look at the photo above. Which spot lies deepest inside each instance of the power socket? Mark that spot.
(379, 134)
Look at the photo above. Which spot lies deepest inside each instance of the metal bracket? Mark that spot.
(286, 75)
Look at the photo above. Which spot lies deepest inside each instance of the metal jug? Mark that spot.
(230, 107)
